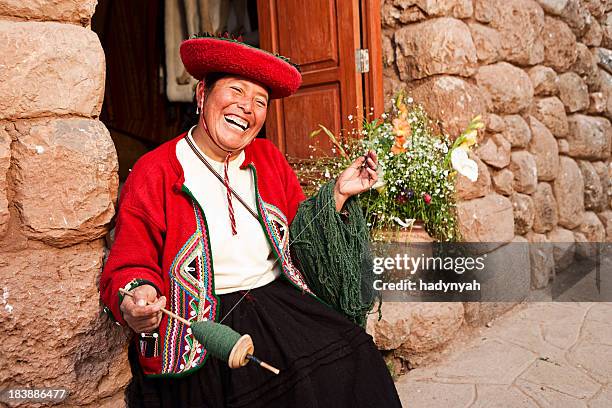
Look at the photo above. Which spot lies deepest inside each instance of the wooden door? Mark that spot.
(321, 36)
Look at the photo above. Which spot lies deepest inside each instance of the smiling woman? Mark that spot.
(182, 243)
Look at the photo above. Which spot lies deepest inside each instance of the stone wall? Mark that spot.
(540, 73)
(58, 184)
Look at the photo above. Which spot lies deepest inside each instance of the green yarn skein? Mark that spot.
(217, 338)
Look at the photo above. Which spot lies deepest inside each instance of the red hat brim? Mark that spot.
(201, 56)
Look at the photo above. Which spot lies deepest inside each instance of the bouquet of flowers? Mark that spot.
(416, 168)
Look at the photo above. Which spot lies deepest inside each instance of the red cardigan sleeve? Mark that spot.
(136, 252)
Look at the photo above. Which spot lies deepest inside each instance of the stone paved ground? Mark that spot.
(556, 355)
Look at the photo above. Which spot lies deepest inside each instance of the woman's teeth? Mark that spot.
(237, 122)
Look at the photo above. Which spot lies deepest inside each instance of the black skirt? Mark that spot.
(325, 360)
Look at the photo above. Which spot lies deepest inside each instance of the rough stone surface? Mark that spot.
(52, 327)
(597, 103)
(541, 259)
(517, 131)
(551, 112)
(563, 146)
(519, 24)
(586, 67)
(467, 190)
(74, 11)
(589, 137)
(438, 46)
(487, 42)
(388, 51)
(495, 151)
(604, 170)
(451, 100)
(502, 181)
(415, 328)
(573, 92)
(594, 194)
(433, 325)
(606, 26)
(569, 192)
(506, 87)
(454, 8)
(592, 228)
(593, 35)
(544, 80)
(495, 123)
(524, 212)
(545, 209)
(559, 45)
(606, 220)
(543, 146)
(50, 69)
(488, 219)
(576, 16)
(523, 166)
(562, 241)
(5, 162)
(53, 207)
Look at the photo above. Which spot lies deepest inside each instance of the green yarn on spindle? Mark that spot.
(217, 338)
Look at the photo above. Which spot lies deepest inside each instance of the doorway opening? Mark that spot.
(148, 98)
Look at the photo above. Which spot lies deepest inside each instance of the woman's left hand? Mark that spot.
(356, 179)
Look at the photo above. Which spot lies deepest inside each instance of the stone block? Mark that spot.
(573, 92)
(438, 46)
(589, 137)
(586, 67)
(453, 8)
(524, 168)
(543, 146)
(495, 123)
(495, 151)
(5, 163)
(502, 181)
(594, 194)
(541, 260)
(73, 11)
(53, 333)
(507, 88)
(606, 220)
(487, 42)
(50, 69)
(467, 189)
(524, 211)
(517, 131)
(559, 45)
(592, 228)
(65, 180)
(450, 100)
(593, 34)
(551, 112)
(488, 219)
(519, 24)
(563, 246)
(569, 192)
(544, 80)
(545, 209)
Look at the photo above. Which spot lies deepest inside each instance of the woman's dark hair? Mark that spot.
(211, 79)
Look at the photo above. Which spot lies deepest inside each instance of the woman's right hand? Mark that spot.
(141, 311)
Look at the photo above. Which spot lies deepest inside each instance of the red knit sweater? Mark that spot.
(161, 238)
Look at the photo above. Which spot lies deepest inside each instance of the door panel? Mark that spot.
(321, 36)
(299, 117)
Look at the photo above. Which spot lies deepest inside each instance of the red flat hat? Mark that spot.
(212, 54)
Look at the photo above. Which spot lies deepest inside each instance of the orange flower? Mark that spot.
(401, 127)
(398, 146)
